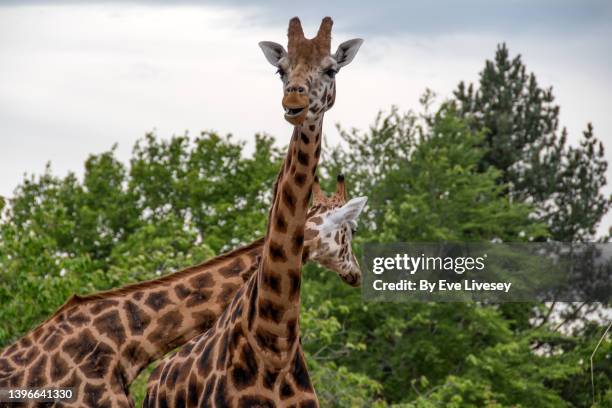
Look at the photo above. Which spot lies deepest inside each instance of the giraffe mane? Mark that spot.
(132, 287)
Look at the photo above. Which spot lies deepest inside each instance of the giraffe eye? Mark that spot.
(281, 72)
(331, 72)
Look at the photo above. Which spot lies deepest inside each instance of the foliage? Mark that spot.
(522, 139)
(450, 174)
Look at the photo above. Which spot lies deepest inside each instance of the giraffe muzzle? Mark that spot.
(353, 279)
(296, 107)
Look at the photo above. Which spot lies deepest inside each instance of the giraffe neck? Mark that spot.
(274, 297)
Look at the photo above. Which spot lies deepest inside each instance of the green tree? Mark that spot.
(426, 183)
(525, 142)
(522, 140)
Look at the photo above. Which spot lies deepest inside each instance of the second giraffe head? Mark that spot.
(308, 69)
(331, 226)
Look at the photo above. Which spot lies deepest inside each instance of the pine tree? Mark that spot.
(523, 140)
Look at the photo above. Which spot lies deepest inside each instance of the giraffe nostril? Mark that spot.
(296, 89)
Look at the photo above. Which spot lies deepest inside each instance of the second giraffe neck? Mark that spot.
(160, 314)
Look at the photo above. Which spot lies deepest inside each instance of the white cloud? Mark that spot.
(77, 79)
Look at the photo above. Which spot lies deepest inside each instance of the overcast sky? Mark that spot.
(76, 79)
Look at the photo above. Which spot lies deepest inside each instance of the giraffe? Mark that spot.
(99, 343)
(252, 356)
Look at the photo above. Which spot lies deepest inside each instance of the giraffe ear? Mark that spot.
(273, 52)
(347, 51)
(350, 211)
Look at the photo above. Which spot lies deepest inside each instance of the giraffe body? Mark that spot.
(98, 344)
(252, 357)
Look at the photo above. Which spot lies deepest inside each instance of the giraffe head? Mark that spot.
(308, 69)
(331, 225)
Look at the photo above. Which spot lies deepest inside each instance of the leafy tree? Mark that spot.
(522, 140)
(431, 189)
